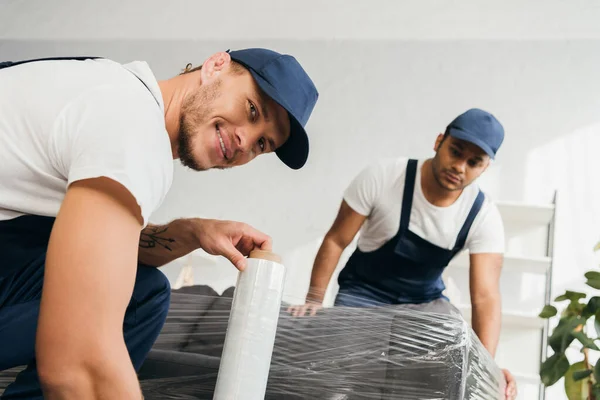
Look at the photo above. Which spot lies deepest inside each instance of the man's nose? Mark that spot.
(246, 138)
(460, 166)
(240, 138)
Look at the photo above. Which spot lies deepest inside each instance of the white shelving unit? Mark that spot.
(526, 215)
(510, 319)
(529, 230)
(536, 265)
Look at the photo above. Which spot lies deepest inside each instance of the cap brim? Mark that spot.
(294, 152)
(468, 137)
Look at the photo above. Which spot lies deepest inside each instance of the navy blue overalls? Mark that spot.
(407, 268)
(23, 245)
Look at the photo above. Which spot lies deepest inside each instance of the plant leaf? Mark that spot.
(596, 390)
(593, 279)
(576, 384)
(597, 323)
(592, 307)
(595, 283)
(597, 372)
(562, 335)
(554, 368)
(585, 341)
(548, 312)
(592, 275)
(573, 296)
(581, 374)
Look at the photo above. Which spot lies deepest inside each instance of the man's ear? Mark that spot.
(214, 65)
(438, 142)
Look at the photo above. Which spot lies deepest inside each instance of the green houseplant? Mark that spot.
(579, 326)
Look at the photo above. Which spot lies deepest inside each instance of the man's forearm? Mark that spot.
(486, 320)
(325, 263)
(161, 244)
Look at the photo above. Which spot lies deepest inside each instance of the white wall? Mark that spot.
(391, 76)
(305, 20)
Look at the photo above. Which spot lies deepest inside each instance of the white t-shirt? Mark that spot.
(63, 121)
(377, 193)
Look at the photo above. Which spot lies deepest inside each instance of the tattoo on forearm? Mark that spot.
(154, 236)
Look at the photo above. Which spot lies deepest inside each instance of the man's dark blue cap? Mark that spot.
(480, 128)
(284, 80)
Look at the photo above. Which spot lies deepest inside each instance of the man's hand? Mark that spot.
(310, 308)
(511, 385)
(161, 244)
(233, 240)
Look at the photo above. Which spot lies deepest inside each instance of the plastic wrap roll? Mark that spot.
(246, 358)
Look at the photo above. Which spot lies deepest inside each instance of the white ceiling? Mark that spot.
(300, 20)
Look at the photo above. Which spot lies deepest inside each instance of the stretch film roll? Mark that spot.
(246, 358)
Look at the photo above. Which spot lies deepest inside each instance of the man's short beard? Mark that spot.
(196, 110)
(184, 147)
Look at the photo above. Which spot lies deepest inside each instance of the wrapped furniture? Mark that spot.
(340, 354)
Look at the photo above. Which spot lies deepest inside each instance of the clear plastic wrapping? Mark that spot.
(341, 353)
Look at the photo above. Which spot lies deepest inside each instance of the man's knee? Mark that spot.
(154, 287)
(162, 292)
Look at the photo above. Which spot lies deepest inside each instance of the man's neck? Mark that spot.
(173, 92)
(434, 192)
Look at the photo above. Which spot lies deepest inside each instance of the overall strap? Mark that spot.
(407, 197)
(6, 64)
(464, 231)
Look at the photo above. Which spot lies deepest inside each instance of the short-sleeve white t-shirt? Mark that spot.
(377, 193)
(64, 121)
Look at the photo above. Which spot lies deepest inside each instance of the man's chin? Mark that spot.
(191, 164)
(221, 168)
(450, 187)
(454, 188)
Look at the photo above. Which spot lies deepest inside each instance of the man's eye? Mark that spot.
(253, 111)
(261, 144)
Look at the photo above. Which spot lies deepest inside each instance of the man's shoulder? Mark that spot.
(489, 211)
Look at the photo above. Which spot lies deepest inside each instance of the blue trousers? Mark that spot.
(23, 244)
(360, 294)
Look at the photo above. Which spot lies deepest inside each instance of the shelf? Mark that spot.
(523, 214)
(527, 378)
(509, 319)
(536, 265)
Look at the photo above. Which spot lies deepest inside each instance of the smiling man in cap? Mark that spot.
(87, 148)
(414, 217)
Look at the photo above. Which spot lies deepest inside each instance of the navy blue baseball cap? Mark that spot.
(284, 80)
(480, 128)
